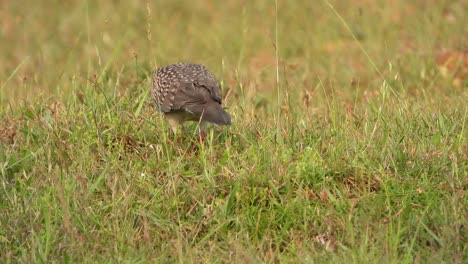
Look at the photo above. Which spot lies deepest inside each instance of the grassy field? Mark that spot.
(348, 144)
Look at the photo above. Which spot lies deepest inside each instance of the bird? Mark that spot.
(188, 92)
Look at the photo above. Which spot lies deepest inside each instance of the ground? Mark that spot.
(348, 142)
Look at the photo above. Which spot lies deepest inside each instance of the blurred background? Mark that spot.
(52, 48)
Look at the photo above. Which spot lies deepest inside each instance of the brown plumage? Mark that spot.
(188, 92)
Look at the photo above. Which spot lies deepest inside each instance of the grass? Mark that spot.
(362, 157)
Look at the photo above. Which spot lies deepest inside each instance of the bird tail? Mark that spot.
(213, 113)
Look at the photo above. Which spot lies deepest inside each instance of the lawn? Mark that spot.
(348, 142)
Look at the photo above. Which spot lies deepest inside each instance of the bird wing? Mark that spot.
(211, 85)
(189, 94)
(202, 101)
(198, 92)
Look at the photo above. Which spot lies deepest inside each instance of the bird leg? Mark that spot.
(174, 124)
(202, 133)
(201, 136)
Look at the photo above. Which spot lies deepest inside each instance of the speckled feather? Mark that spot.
(190, 88)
